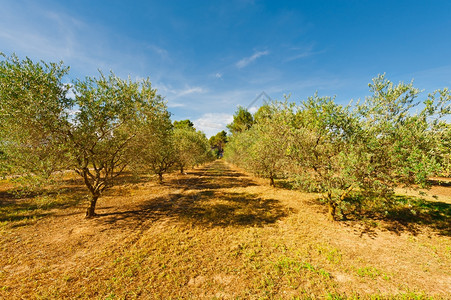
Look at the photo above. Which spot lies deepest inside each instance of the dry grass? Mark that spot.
(215, 233)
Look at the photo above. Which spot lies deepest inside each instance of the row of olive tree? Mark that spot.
(109, 124)
(218, 142)
(349, 153)
(161, 147)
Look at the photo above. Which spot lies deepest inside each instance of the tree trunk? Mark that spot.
(332, 211)
(181, 169)
(160, 178)
(90, 213)
(271, 181)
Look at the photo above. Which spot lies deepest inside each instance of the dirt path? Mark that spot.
(215, 232)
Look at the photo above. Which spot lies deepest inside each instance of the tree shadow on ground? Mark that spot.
(411, 211)
(16, 210)
(209, 181)
(408, 214)
(205, 208)
(217, 173)
(17, 207)
(446, 182)
(126, 177)
(217, 169)
(216, 176)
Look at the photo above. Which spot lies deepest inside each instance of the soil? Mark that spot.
(214, 232)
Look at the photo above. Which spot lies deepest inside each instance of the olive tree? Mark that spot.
(33, 113)
(320, 142)
(153, 148)
(191, 147)
(351, 154)
(402, 147)
(236, 150)
(361, 153)
(42, 130)
(109, 112)
(443, 138)
(268, 153)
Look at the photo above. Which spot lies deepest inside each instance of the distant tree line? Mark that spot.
(108, 126)
(218, 142)
(352, 153)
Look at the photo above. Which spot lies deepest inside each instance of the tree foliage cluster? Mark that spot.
(109, 125)
(218, 142)
(351, 153)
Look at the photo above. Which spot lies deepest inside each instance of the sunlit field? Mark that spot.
(218, 233)
(244, 149)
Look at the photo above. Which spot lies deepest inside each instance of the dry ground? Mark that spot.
(217, 233)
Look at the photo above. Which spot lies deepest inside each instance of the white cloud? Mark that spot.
(171, 94)
(247, 60)
(218, 75)
(46, 34)
(71, 92)
(163, 53)
(212, 123)
(253, 109)
(164, 89)
(53, 33)
(303, 54)
(175, 104)
(190, 90)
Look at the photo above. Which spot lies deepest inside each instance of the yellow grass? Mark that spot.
(215, 233)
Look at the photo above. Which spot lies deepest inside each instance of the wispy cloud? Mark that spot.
(53, 33)
(175, 92)
(174, 95)
(212, 123)
(42, 33)
(190, 90)
(247, 60)
(302, 52)
(172, 104)
(431, 78)
(163, 53)
(164, 89)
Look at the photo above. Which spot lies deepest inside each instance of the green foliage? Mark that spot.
(183, 124)
(154, 145)
(191, 146)
(398, 147)
(263, 112)
(218, 142)
(33, 109)
(110, 112)
(109, 125)
(350, 154)
(242, 120)
(4, 162)
(263, 148)
(320, 139)
(442, 138)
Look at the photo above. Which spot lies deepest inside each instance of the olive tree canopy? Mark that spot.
(42, 130)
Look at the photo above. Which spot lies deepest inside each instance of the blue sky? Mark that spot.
(208, 57)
